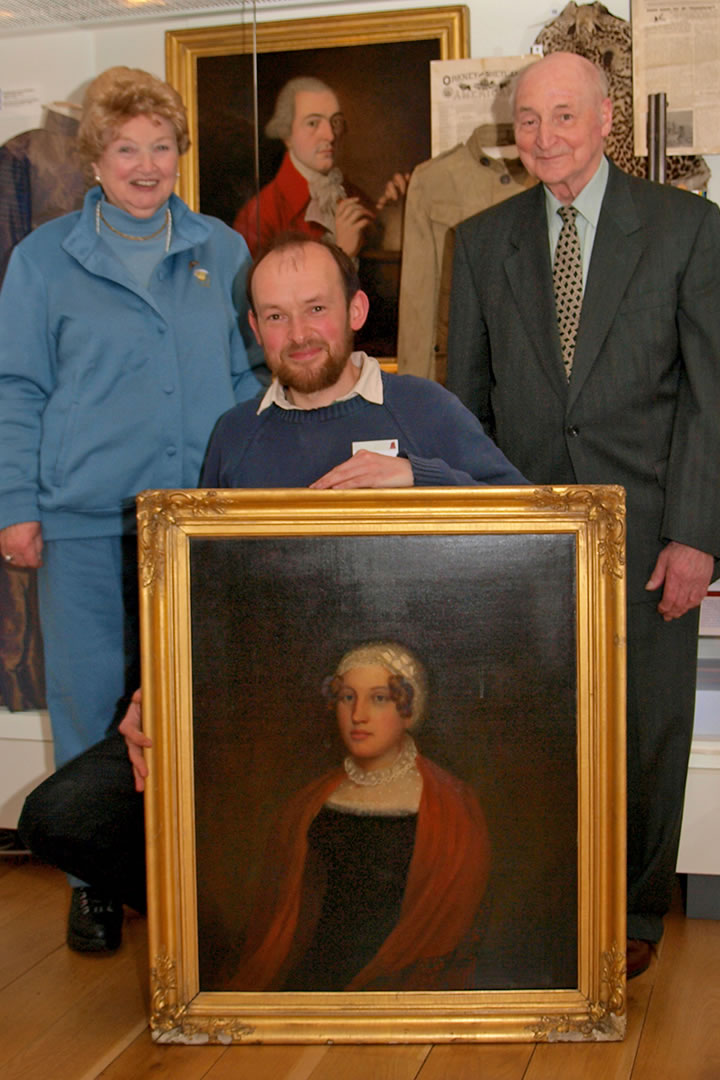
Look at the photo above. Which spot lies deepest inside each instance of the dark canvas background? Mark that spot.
(492, 617)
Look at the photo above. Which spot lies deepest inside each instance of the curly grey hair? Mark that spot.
(280, 123)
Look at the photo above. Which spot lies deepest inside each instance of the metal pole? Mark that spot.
(656, 136)
(256, 147)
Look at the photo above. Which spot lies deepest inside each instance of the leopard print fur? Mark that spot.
(591, 31)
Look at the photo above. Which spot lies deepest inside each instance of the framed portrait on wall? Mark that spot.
(378, 64)
(386, 797)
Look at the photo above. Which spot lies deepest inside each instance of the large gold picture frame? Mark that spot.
(379, 66)
(514, 599)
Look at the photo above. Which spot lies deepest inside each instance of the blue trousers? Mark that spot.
(87, 592)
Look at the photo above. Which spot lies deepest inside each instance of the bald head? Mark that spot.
(562, 116)
(566, 63)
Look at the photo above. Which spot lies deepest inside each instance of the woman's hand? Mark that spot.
(21, 545)
(136, 740)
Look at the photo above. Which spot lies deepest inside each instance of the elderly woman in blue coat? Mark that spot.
(122, 340)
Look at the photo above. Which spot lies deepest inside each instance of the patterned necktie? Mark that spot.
(568, 284)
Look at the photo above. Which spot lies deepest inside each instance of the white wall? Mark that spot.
(60, 61)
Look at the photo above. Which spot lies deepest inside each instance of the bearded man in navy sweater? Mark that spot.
(330, 419)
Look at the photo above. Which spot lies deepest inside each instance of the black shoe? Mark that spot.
(638, 957)
(94, 922)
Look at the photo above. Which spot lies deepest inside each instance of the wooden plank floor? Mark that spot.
(73, 1017)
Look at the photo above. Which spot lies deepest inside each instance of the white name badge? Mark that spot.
(389, 447)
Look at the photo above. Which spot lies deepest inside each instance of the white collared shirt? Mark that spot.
(369, 386)
(588, 204)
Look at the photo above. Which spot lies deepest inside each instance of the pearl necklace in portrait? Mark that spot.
(403, 763)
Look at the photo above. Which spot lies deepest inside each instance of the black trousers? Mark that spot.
(661, 675)
(88, 819)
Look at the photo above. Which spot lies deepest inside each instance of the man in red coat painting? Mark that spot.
(308, 192)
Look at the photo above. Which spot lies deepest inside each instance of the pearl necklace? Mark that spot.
(166, 225)
(403, 763)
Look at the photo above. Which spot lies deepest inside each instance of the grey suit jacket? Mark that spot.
(642, 408)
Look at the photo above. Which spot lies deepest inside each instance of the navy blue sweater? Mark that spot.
(444, 442)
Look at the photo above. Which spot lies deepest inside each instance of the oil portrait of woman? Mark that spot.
(375, 872)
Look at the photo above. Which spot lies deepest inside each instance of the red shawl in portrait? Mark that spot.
(430, 947)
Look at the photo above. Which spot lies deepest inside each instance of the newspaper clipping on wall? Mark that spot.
(466, 94)
(676, 51)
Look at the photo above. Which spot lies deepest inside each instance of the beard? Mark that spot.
(321, 375)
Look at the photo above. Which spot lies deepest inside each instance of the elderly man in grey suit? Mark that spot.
(587, 341)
